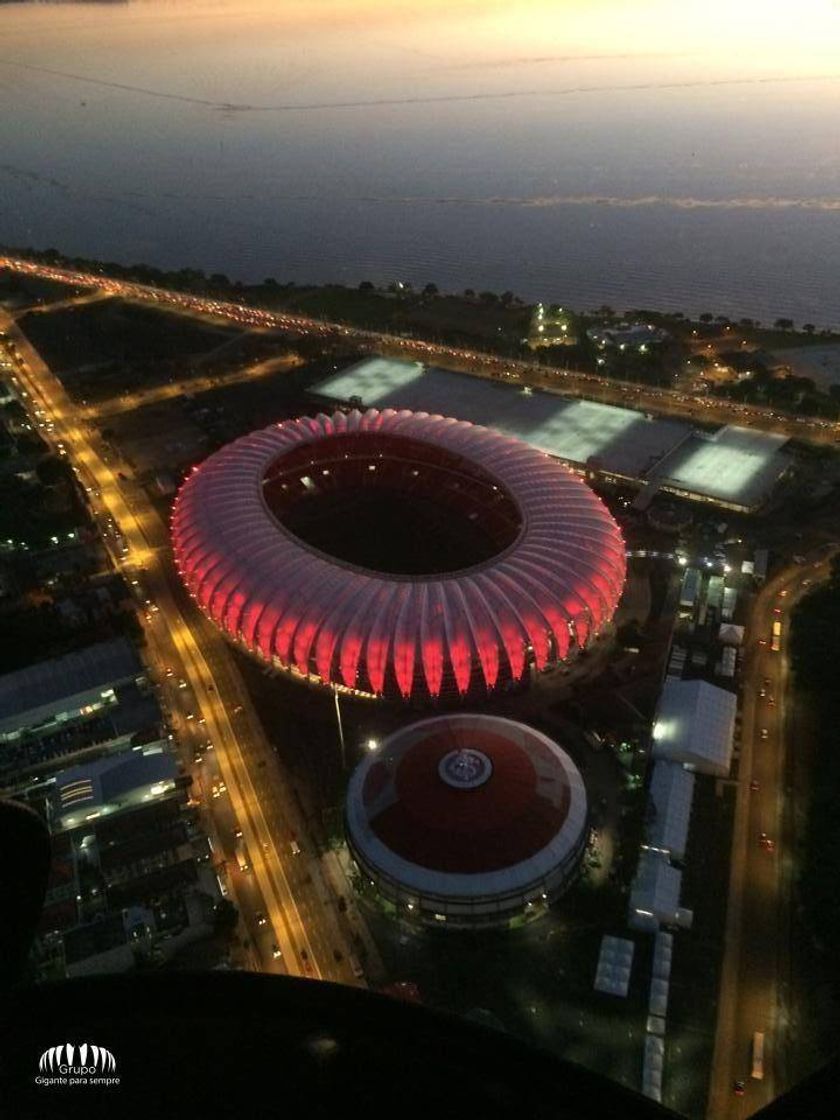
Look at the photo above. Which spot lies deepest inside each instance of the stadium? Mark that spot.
(467, 820)
(398, 554)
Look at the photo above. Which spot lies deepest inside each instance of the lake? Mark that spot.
(660, 155)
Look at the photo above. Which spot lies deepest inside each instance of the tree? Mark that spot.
(629, 634)
(219, 280)
(51, 471)
(430, 290)
(808, 328)
(783, 324)
(366, 286)
(488, 297)
(469, 293)
(506, 299)
(706, 317)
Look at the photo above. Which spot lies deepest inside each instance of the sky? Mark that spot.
(329, 51)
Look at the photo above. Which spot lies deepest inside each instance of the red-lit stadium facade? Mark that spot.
(467, 820)
(398, 553)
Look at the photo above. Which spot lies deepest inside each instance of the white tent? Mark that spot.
(694, 724)
(730, 634)
(658, 999)
(655, 894)
(669, 807)
(615, 962)
(654, 1062)
(663, 951)
(730, 598)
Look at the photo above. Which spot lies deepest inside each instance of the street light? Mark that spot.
(372, 744)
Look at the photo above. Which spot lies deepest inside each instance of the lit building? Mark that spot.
(628, 336)
(398, 553)
(54, 693)
(112, 784)
(734, 468)
(467, 820)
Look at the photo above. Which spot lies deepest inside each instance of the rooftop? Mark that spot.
(468, 805)
(112, 779)
(615, 962)
(624, 441)
(733, 465)
(655, 892)
(49, 682)
(671, 795)
(695, 722)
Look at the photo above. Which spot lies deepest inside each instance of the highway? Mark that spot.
(754, 970)
(703, 407)
(289, 888)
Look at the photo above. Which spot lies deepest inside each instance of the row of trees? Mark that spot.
(429, 291)
(798, 395)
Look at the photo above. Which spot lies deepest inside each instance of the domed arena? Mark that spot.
(398, 554)
(467, 820)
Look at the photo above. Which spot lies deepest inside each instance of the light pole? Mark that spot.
(340, 731)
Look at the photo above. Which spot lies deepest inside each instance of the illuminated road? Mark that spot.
(157, 393)
(702, 407)
(757, 921)
(97, 296)
(294, 897)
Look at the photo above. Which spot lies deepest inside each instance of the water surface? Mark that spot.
(682, 156)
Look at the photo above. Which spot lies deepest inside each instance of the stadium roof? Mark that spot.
(623, 441)
(549, 588)
(733, 466)
(37, 687)
(695, 722)
(670, 798)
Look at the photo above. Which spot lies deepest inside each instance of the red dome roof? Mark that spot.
(549, 579)
(466, 804)
(509, 817)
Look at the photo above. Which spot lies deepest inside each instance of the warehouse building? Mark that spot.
(734, 468)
